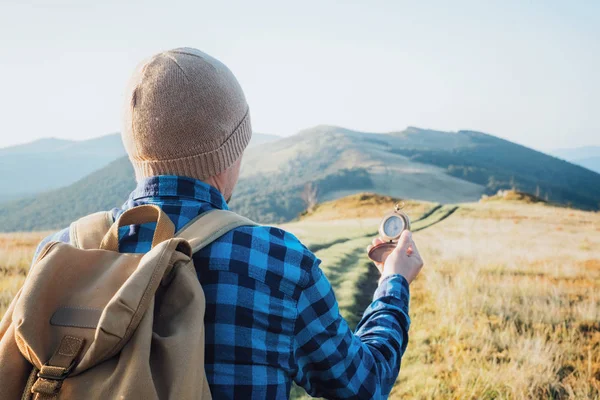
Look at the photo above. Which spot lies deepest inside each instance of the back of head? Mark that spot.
(185, 115)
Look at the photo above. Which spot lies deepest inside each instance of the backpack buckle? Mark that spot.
(48, 372)
(50, 379)
(53, 373)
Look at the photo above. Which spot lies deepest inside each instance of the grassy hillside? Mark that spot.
(500, 164)
(363, 206)
(502, 310)
(423, 164)
(507, 306)
(319, 155)
(426, 165)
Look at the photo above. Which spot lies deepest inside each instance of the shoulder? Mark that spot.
(269, 254)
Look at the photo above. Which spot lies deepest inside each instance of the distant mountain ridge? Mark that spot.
(587, 156)
(577, 153)
(592, 163)
(420, 164)
(51, 163)
(37, 146)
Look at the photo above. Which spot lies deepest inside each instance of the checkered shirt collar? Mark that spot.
(184, 188)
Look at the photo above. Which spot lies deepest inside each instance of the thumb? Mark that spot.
(404, 241)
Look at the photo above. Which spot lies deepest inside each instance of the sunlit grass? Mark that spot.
(507, 307)
(16, 252)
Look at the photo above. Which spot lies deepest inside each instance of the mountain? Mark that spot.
(592, 163)
(333, 162)
(37, 146)
(53, 163)
(338, 162)
(262, 138)
(577, 153)
(446, 167)
(101, 190)
(588, 156)
(501, 164)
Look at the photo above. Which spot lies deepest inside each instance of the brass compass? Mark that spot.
(391, 228)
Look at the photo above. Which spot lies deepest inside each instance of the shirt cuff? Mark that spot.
(393, 286)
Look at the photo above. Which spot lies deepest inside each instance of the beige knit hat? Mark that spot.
(185, 115)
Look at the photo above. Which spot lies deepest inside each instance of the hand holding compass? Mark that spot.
(395, 252)
(391, 228)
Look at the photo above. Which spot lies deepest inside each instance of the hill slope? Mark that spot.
(101, 190)
(338, 162)
(52, 163)
(445, 167)
(591, 163)
(434, 166)
(37, 146)
(577, 153)
(500, 164)
(588, 156)
(262, 138)
(482, 316)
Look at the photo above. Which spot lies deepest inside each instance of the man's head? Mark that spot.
(186, 115)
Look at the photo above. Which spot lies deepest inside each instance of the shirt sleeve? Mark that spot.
(333, 361)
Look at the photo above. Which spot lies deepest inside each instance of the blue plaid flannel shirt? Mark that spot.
(271, 314)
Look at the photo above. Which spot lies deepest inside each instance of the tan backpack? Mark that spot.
(92, 323)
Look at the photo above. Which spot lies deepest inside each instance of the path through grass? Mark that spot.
(351, 273)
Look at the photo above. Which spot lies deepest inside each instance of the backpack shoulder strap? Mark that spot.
(211, 225)
(87, 233)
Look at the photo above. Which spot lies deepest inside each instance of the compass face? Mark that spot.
(393, 226)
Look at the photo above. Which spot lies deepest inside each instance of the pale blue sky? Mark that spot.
(526, 71)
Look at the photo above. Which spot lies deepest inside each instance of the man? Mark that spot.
(271, 315)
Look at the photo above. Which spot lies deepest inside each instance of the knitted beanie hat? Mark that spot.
(185, 115)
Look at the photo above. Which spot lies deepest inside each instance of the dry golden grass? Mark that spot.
(363, 206)
(16, 251)
(508, 306)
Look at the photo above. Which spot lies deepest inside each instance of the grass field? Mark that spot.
(16, 252)
(507, 306)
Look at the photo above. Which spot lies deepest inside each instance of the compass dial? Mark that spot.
(393, 226)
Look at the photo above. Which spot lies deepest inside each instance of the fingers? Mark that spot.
(375, 242)
(406, 245)
(405, 241)
(413, 246)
